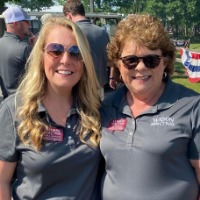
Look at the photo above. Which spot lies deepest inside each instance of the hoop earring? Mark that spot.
(164, 75)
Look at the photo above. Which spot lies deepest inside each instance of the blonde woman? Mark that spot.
(50, 129)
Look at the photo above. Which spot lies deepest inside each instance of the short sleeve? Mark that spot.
(7, 132)
(194, 145)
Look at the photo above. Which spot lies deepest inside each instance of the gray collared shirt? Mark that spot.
(147, 157)
(63, 169)
(13, 57)
(98, 39)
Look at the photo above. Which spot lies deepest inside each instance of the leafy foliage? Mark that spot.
(180, 16)
(31, 4)
(36, 4)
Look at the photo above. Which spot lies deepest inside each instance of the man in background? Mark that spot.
(97, 37)
(14, 51)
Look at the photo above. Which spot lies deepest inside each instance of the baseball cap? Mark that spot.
(15, 14)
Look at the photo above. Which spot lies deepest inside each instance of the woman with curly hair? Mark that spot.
(150, 125)
(50, 128)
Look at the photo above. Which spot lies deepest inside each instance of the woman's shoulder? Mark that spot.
(179, 90)
(10, 103)
(112, 104)
(8, 100)
(114, 97)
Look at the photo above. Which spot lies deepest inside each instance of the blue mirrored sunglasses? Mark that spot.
(56, 50)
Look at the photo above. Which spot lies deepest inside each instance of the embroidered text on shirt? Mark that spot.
(117, 125)
(163, 121)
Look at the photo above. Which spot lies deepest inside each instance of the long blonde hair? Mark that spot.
(31, 90)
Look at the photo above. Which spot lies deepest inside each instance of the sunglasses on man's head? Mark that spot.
(150, 61)
(57, 50)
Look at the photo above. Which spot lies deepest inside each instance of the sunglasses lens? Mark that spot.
(130, 62)
(74, 53)
(151, 61)
(55, 50)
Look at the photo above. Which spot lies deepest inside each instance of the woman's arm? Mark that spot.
(6, 173)
(196, 166)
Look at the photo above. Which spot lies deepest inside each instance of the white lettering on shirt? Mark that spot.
(163, 121)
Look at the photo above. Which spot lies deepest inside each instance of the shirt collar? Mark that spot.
(167, 99)
(73, 110)
(170, 95)
(83, 20)
(8, 34)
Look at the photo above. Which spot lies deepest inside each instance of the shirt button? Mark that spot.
(68, 126)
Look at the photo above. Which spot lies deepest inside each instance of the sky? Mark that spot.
(56, 8)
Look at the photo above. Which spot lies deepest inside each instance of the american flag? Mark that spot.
(191, 61)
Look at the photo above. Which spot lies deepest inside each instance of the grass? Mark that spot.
(180, 73)
(186, 83)
(195, 46)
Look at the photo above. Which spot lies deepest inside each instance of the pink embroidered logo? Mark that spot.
(53, 134)
(117, 125)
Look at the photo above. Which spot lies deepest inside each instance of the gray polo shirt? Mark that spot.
(147, 157)
(14, 53)
(63, 169)
(98, 39)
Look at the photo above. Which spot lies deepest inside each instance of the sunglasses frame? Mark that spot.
(144, 60)
(58, 51)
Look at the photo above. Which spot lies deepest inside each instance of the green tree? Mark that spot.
(118, 6)
(2, 5)
(36, 4)
(180, 15)
(156, 8)
(33, 5)
(192, 19)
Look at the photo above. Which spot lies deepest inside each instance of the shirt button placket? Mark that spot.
(130, 136)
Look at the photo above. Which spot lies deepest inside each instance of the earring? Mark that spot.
(164, 75)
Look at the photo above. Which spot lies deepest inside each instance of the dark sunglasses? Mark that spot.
(57, 50)
(150, 61)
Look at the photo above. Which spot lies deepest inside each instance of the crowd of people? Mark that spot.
(61, 138)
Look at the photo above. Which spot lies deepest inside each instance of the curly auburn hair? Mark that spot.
(145, 30)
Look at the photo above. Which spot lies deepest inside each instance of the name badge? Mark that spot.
(117, 125)
(53, 134)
